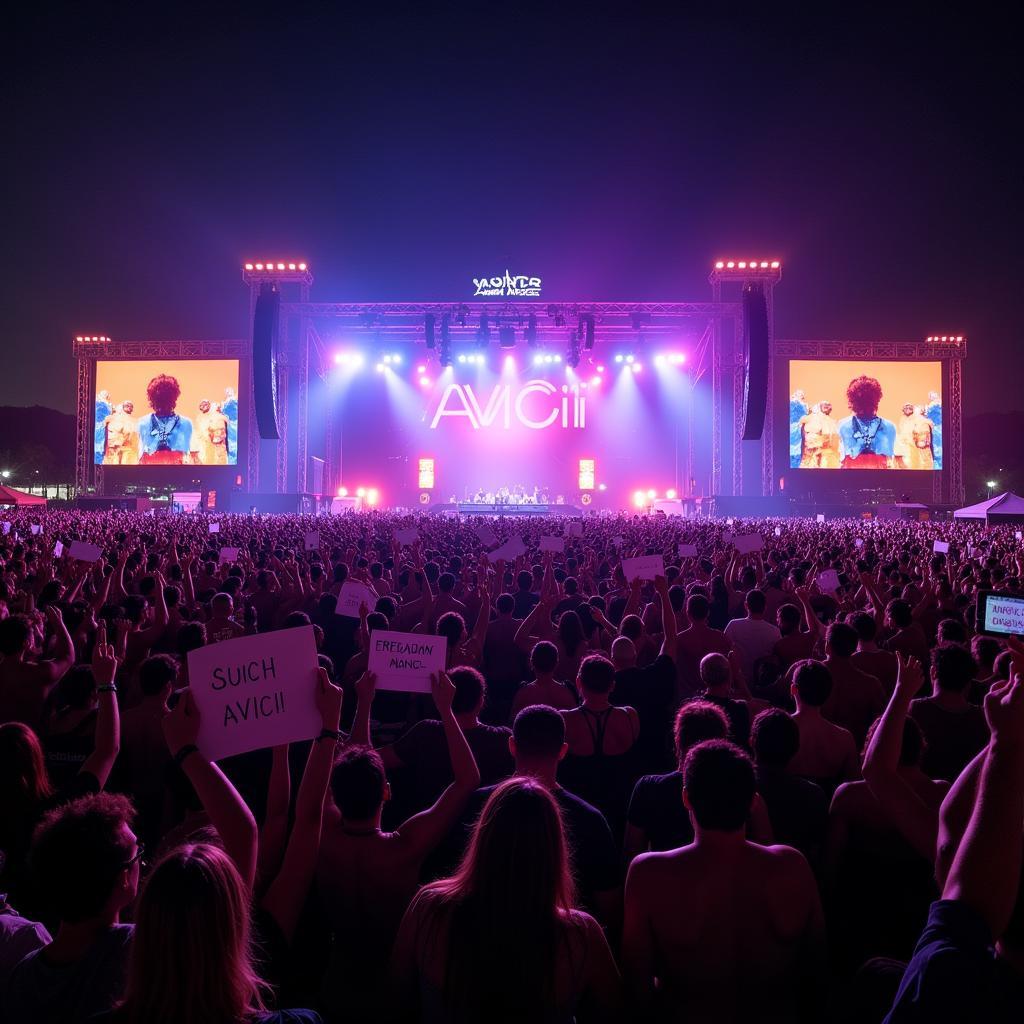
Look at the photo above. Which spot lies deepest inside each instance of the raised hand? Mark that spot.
(366, 687)
(910, 675)
(104, 659)
(443, 691)
(328, 700)
(181, 725)
(1004, 710)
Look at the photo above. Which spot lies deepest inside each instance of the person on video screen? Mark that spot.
(798, 409)
(867, 440)
(165, 436)
(121, 437)
(914, 439)
(230, 409)
(819, 438)
(933, 410)
(104, 408)
(212, 435)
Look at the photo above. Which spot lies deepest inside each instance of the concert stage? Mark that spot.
(473, 508)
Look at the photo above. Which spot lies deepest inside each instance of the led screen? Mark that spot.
(177, 412)
(849, 414)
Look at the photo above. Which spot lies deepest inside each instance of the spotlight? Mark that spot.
(421, 368)
(396, 359)
(424, 382)
(506, 337)
(595, 381)
(602, 487)
(671, 494)
(361, 492)
(342, 492)
(510, 362)
(549, 359)
(372, 496)
(659, 360)
(538, 359)
(462, 358)
(639, 499)
(381, 367)
(428, 330)
(629, 359)
(652, 494)
(557, 359)
(618, 359)
(637, 367)
(387, 360)
(339, 358)
(358, 359)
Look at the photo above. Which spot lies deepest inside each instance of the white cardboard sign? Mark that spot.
(214, 527)
(688, 550)
(58, 549)
(552, 544)
(645, 567)
(509, 551)
(778, 531)
(748, 542)
(6, 528)
(311, 541)
(36, 529)
(82, 552)
(255, 691)
(828, 581)
(940, 547)
(407, 536)
(228, 555)
(820, 518)
(405, 661)
(352, 595)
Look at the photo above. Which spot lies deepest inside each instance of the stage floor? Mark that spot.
(473, 508)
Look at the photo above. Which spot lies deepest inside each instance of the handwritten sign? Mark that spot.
(82, 552)
(828, 581)
(778, 531)
(1004, 615)
(408, 536)
(859, 542)
(552, 544)
(748, 543)
(1018, 534)
(405, 661)
(311, 541)
(352, 595)
(820, 518)
(509, 551)
(687, 550)
(58, 549)
(228, 555)
(255, 691)
(645, 567)
(729, 521)
(36, 529)
(214, 527)
(6, 527)
(940, 547)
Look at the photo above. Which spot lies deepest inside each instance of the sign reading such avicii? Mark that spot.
(507, 287)
(510, 403)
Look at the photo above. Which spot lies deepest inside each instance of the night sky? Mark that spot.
(612, 152)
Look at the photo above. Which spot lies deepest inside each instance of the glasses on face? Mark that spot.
(140, 849)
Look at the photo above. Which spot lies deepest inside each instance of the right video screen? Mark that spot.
(849, 414)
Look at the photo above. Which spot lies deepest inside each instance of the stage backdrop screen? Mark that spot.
(852, 414)
(166, 412)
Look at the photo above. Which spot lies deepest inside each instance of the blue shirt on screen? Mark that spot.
(882, 435)
(179, 434)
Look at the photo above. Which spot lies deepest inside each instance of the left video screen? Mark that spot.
(166, 412)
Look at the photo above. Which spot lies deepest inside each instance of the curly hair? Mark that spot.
(163, 392)
(864, 394)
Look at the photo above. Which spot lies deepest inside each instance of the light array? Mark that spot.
(747, 264)
(91, 337)
(271, 265)
(476, 358)
(642, 498)
(945, 339)
(548, 358)
(670, 359)
(368, 494)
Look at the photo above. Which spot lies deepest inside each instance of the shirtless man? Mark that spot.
(819, 438)
(368, 876)
(722, 929)
(121, 446)
(914, 439)
(211, 435)
(698, 640)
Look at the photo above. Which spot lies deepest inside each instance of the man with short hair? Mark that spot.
(856, 699)
(25, 678)
(694, 642)
(716, 675)
(221, 624)
(869, 657)
(86, 858)
(545, 688)
(752, 637)
(954, 730)
(827, 753)
(504, 663)
(723, 928)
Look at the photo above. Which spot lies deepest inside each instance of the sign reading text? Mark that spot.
(405, 661)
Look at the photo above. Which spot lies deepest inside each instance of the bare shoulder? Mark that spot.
(651, 866)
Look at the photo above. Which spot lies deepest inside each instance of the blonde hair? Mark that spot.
(191, 957)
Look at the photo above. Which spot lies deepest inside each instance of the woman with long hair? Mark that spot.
(501, 940)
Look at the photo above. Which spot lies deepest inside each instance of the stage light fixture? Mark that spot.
(652, 494)
(630, 359)
(557, 359)
(671, 494)
(510, 362)
(428, 330)
(538, 359)
(387, 360)
(531, 331)
(720, 265)
(602, 487)
(339, 358)
(372, 496)
(637, 367)
(342, 492)
(381, 367)
(549, 359)
(506, 337)
(595, 381)
(483, 332)
(572, 356)
(360, 492)
(619, 358)
(659, 360)
(638, 499)
(445, 355)
(600, 369)
(462, 358)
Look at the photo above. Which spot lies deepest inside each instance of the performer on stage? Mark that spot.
(230, 409)
(933, 410)
(914, 439)
(121, 444)
(165, 436)
(819, 438)
(212, 435)
(867, 440)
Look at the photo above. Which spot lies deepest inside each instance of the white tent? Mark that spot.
(1004, 508)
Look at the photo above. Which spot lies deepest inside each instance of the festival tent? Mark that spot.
(1005, 508)
(9, 496)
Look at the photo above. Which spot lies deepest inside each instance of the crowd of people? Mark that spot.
(786, 785)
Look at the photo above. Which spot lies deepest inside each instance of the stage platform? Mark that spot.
(473, 508)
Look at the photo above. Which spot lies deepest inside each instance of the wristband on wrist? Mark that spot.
(329, 734)
(184, 752)
(109, 688)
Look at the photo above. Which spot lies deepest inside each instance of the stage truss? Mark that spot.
(947, 483)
